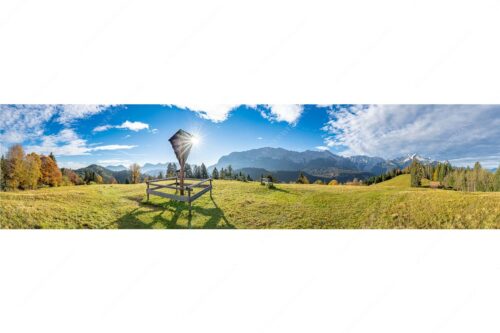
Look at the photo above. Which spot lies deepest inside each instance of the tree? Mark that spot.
(32, 171)
(203, 171)
(14, 167)
(222, 174)
(302, 179)
(450, 180)
(90, 177)
(333, 182)
(160, 175)
(172, 170)
(475, 179)
(112, 180)
(72, 176)
(319, 182)
(98, 179)
(51, 175)
(135, 173)
(196, 171)
(53, 157)
(435, 175)
(188, 171)
(497, 179)
(416, 172)
(249, 179)
(215, 173)
(3, 165)
(229, 172)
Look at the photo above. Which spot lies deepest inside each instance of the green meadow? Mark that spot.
(240, 205)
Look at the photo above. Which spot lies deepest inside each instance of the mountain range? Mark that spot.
(320, 164)
(285, 165)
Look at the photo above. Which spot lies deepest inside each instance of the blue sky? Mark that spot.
(122, 134)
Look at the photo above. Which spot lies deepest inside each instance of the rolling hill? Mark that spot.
(392, 204)
(107, 174)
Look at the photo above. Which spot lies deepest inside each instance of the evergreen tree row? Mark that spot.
(383, 177)
(476, 179)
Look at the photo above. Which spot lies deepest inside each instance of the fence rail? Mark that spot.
(153, 186)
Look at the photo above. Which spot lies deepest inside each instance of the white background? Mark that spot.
(249, 52)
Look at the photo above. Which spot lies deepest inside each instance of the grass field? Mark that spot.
(392, 204)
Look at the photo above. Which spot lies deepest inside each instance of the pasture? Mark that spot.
(240, 205)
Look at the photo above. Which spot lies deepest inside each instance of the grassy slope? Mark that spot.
(392, 204)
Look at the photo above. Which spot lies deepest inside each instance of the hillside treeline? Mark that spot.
(19, 170)
(476, 179)
(383, 177)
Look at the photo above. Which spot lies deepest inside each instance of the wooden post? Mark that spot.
(189, 200)
(181, 183)
(210, 187)
(147, 191)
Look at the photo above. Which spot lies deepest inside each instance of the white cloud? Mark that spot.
(24, 122)
(260, 138)
(68, 143)
(322, 148)
(214, 112)
(102, 128)
(69, 112)
(289, 113)
(489, 162)
(114, 162)
(64, 143)
(71, 164)
(21, 122)
(130, 125)
(438, 131)
(112, 147)
(133, 125)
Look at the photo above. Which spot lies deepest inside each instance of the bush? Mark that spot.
(333, 182)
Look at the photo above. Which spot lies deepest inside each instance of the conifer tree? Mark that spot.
(2, 173)
(302, 179)
(416, 173)
(188, 171)
(52, 157)
(203, 171)
(171, 170)
(497, 179)
(215, 173)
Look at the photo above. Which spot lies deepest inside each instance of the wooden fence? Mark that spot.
(153, 187)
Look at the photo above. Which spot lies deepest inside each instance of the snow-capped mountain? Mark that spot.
(318, 163)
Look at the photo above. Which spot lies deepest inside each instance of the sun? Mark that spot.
(195, 140)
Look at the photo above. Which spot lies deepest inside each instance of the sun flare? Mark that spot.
(195, 140)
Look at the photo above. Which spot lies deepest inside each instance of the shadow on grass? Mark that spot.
(277, 189)
(177, 210)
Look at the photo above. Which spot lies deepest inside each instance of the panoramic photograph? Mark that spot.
(249, 166)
